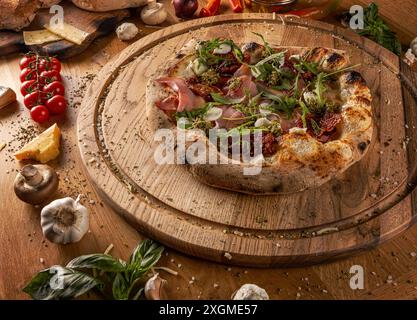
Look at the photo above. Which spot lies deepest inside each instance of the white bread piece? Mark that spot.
(108, 5)
(17, 14)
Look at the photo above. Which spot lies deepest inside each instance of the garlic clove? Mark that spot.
(154, 288)
(64, 221)
(127, 31)
(250, 292)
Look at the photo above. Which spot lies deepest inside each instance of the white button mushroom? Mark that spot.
(154, 13)
(64, 221)
(213, 114)
(250, 292)
(127, 31)
(262, 122)
(198, 67)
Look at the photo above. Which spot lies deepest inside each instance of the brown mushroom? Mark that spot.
(34, 184)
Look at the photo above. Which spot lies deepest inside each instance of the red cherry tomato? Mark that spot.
(33, 99)
(28, 61)
(57, 104)
(29, 86)
(49, 76)
(54, 88)
(55, 64)
(40, 114)
(48, 64)
(27, 74)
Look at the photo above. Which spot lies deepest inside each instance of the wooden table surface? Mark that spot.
(390, 269)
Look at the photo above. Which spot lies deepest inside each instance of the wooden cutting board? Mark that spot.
(372, 202)
(95, 23)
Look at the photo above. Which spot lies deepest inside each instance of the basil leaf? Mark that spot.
(99, 261)
(223, 100)
(120, 288)
(146, 254)
(60, 283)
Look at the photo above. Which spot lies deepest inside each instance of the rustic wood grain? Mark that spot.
(211, 223)
(390, 268)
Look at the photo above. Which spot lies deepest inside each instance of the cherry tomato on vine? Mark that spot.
(33, 99)
(29, 86)
(54, 88)
(49, 76)
(57, 104)
(28, 61)
(39, 113)
(28, 74)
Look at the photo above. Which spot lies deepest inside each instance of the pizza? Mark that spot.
(306, 111)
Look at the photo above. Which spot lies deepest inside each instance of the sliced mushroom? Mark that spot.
(34, 184)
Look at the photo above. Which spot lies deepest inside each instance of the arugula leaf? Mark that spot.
(377, 30)
(208, 58)
(305, 66)
(223, 100)
(319, 88)
(282, 103)
(99, 261)
(268, 48)
(315, 126)
(305, 111)
(60, 283)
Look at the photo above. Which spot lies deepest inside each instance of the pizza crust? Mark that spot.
(302, 162)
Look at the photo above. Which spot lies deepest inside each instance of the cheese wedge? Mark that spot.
(7, 96)
(43, 148)
(39, 37)
(68, 32)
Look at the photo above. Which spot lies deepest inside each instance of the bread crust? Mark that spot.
(301, 162)
(17, 14)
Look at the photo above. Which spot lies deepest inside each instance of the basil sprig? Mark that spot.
(99, 271)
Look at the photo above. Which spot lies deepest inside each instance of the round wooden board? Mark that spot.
(372, 202)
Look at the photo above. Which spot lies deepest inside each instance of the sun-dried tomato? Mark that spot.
(269, 144)
(329, 121)
(203, 90)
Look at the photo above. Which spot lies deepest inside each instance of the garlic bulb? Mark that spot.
(250, 292)
(154, 13)
(64, 221)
